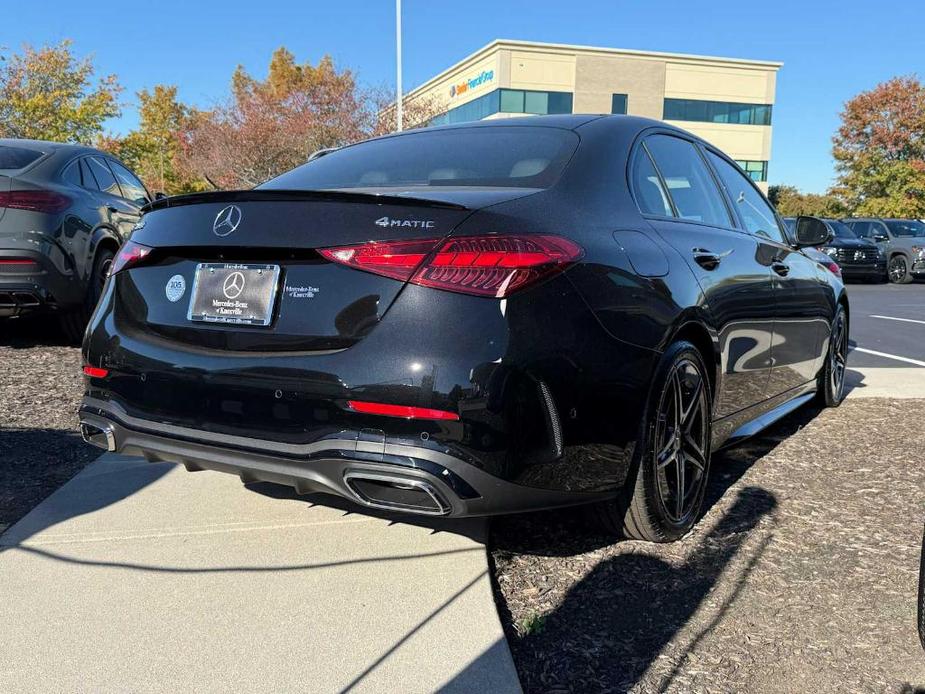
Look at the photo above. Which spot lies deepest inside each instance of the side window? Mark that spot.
(690, 184)
(104, 178)
(650, 194)
(756, 212)
(71, 174)
(860, 228)
(131, 187)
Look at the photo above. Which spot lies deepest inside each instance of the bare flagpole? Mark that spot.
(398, 63)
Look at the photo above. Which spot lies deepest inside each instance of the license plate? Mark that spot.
(228, 293)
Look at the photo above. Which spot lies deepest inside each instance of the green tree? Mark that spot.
(790, 202)
(49, 94)
(879, 150)
(152, 150)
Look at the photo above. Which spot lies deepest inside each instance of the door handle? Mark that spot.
(112, 210)
(708, 260)
(780, 268)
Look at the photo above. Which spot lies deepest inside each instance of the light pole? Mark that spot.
(398, 64)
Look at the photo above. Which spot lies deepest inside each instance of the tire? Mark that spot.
(673, 454)
(74, 322)
(830, 384)
(898, 270)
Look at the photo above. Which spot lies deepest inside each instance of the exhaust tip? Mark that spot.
(396, 493)
(102, 437)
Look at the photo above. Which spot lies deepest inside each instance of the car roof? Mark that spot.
(47, 146)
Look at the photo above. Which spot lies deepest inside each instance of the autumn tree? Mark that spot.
(49, 94)
(879, 150)
(269, 126)
(790, 202)
(153, 149)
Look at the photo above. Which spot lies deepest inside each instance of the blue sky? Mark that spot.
(830, 50)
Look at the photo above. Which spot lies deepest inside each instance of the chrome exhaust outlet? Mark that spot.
(396, 493)
(101, 437)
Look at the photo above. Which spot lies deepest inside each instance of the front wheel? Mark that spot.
(831, 380)
(673, 454)
(898, 270)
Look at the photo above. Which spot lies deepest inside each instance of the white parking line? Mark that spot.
(889, 356)
(904, 320)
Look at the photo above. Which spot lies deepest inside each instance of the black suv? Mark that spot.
(858, 258)
(64, 211)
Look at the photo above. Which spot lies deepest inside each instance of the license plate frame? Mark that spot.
(234, 294)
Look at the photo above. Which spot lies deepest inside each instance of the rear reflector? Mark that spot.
(17, 261)
(130, 255)
(35, 200)
(490, 265)
(95, 372)
(400, 411)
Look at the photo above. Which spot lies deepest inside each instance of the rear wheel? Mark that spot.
(673, 458)
(74, 323)
(831, 380)
(898, 270)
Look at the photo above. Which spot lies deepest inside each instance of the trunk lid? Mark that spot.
(317, 305)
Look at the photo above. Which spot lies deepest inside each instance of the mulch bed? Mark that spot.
(801, 577)
(40, 389)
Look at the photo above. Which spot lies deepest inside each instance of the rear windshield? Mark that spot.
(906, 228)
(516, 156)
(13, 158)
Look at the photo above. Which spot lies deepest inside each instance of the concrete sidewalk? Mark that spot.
(143, 577)
(875, 382)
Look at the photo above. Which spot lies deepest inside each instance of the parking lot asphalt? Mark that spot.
(143, 577)
(888, 319)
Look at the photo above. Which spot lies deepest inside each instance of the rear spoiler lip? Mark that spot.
(274, 195)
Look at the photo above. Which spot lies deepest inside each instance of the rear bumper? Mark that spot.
(372, 473)
(29, 288)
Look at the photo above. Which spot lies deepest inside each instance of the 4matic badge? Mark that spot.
(411, 223)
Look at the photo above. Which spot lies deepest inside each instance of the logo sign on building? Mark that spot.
(464, 86)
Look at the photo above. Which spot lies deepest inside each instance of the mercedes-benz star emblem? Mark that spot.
(234, 285)
(227, 220)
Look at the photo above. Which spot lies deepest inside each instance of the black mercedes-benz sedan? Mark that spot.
(471, 320)
(64, 211)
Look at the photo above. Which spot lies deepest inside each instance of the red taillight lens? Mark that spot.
(46, 201)
(130, 255)
(95, 372)
(834, 268)
(400, 411)
(17, 262)
(491, 265)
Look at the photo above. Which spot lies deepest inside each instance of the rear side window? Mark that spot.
(690, 184)
(517, 156)
(756, 212)
(131, 187)
(104, 178)
(71, 174)
(650, 193)
(14, 158)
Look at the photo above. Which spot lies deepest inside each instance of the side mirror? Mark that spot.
(811, 231)
(878, 238)
(159, 195)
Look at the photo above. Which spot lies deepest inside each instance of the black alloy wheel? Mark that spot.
(674, 462)
(898, 271)
(831, 385)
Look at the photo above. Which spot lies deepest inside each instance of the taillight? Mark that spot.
(95, 372)
(402, 411)
(47, 201)
(490, 265)
(834, 268)
(130, 255)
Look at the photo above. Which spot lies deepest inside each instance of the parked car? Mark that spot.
(64, 211)
(472, 319)
(857, 259)
(902, 240)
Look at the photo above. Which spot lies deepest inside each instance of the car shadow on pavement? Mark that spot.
(610, 626)
(32, 331)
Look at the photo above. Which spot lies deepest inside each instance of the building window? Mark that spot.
(618, 103)
(717, 112)
(756, 170)
(507, 101)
